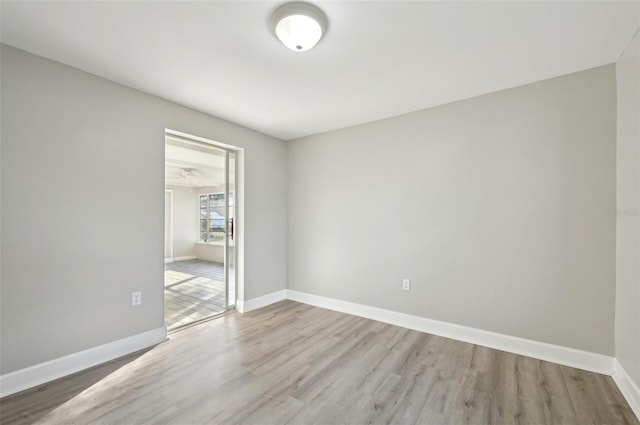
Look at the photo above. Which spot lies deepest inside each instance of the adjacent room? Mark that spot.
(192, 198)
(197, 283)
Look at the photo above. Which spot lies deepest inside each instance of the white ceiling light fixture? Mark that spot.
(299, 26)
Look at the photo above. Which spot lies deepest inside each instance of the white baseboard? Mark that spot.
(185, 257)
(259, 302)
(539, 350)
(22, 379)
(586, 360)
(629, 389)
(35, 375)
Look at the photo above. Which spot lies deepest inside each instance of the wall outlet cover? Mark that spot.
(406, 284)
(136, 298)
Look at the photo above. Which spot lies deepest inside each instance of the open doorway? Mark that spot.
(200, 228)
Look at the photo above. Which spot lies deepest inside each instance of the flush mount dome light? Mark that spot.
(299, 26)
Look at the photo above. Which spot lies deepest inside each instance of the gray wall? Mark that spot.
(627, 325)
(82, 208)
(494, 207)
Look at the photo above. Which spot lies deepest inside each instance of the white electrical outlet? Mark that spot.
(406, 285)
(136, 298)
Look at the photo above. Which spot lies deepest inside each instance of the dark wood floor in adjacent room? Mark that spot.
(293, 363)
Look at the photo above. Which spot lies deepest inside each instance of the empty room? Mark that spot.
(327, 212)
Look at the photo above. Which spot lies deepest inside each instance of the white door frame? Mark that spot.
(170, 258)
(238, 209)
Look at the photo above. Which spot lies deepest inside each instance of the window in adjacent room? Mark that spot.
(212, 217)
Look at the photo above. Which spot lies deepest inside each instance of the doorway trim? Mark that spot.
(238, 204)
(170, 258)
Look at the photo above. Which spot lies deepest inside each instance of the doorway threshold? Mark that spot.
(170, 331)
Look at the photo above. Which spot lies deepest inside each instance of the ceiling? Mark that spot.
(192, 165)
(378, 58)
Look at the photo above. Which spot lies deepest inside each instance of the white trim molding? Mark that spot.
(32, 376)
(185, 257)
(566, 356)
(245, 306)
(169, 259)
(593, 362)
(629, 389)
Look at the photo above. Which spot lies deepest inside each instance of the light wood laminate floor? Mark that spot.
(293, 363)
(193, 291)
